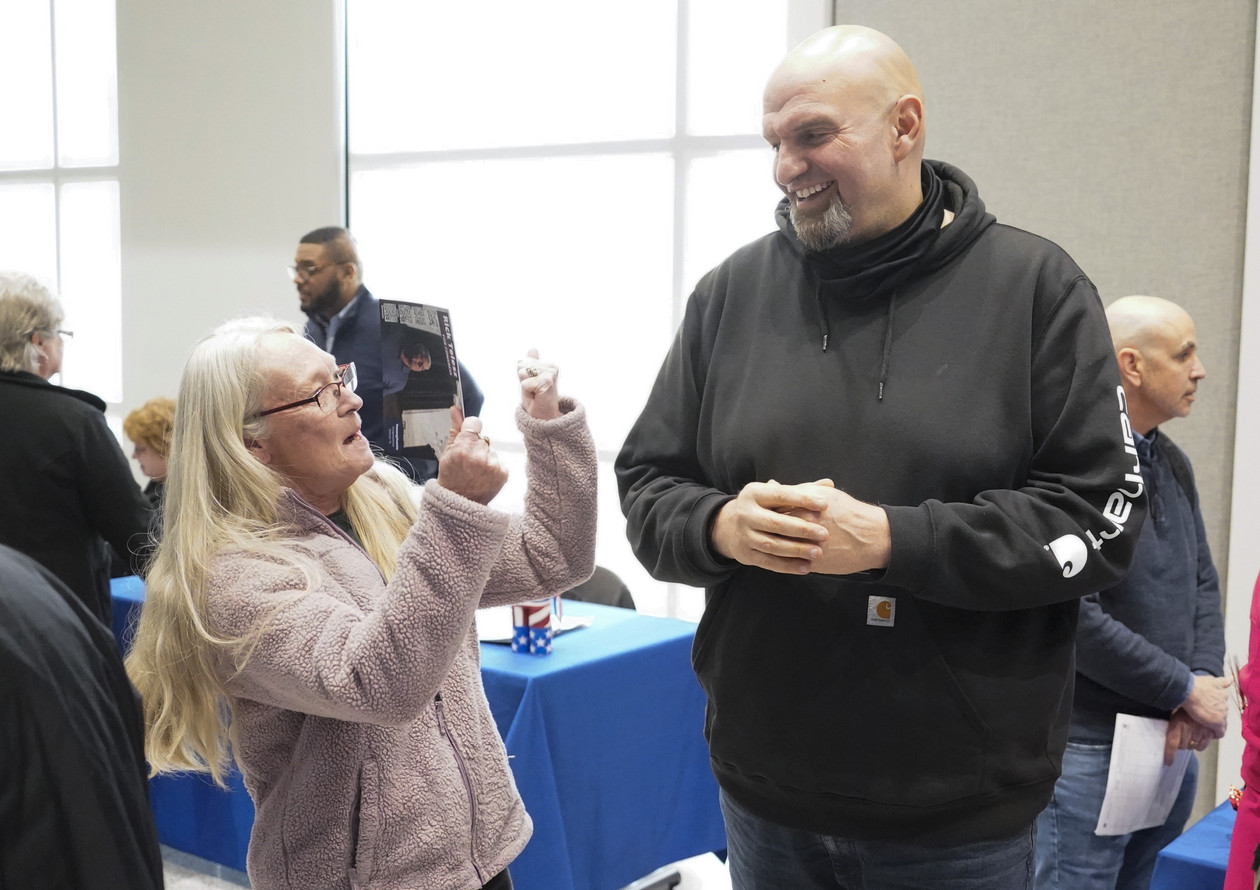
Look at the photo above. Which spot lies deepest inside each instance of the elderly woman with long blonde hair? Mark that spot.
(311, 617)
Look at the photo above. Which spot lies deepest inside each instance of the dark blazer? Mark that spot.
(66, 492)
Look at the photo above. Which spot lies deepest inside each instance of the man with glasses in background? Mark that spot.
(344, 319)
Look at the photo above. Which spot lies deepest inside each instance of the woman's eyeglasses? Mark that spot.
(327, 396)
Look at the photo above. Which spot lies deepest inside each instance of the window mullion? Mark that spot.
(681, 164)
(56, 165)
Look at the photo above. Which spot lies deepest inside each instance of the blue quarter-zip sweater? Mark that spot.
(1139, 643)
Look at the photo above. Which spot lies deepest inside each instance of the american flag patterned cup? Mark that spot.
(531, 628)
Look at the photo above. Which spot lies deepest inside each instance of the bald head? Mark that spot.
(863, 60)
(844, 111)
(1137, 320)
(1157, 351)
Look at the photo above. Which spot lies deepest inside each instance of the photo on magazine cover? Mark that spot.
(420, 377)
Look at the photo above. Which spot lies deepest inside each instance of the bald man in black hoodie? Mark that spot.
(894, 509)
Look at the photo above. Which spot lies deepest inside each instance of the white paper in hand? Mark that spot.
(1140, 789)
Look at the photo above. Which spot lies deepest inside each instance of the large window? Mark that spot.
(59, 172)
(559, 174)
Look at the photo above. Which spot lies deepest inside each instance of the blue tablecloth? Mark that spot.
(605, 736)
(1196, 860)
(192, 813)
(127, 595)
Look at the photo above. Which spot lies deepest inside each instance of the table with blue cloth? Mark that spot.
(192, 813)
(605, 740)
(1197, 859)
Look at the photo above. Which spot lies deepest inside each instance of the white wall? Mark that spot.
(231, 148)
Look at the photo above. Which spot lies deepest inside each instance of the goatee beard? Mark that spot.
(323, 305)
(824, 232)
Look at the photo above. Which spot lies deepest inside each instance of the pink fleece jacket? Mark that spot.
(363, 733)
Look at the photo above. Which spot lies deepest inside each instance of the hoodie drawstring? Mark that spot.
(888, 335)
(824, 325)
(824, 328)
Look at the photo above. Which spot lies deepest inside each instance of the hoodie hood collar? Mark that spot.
(918, 246)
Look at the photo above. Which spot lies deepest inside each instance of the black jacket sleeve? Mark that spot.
(112, 502)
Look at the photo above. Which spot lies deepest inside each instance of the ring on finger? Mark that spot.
(486, 439)
(533, 370)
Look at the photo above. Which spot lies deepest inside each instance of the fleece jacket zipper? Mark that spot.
(463, 774)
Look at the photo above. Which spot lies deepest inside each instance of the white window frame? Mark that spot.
(59, 176)
(804, 18)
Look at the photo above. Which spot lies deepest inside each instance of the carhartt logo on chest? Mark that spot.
(881, 611)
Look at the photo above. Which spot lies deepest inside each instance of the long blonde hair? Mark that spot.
(219, 496)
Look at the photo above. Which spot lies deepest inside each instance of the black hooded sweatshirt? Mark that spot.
(963, 379)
